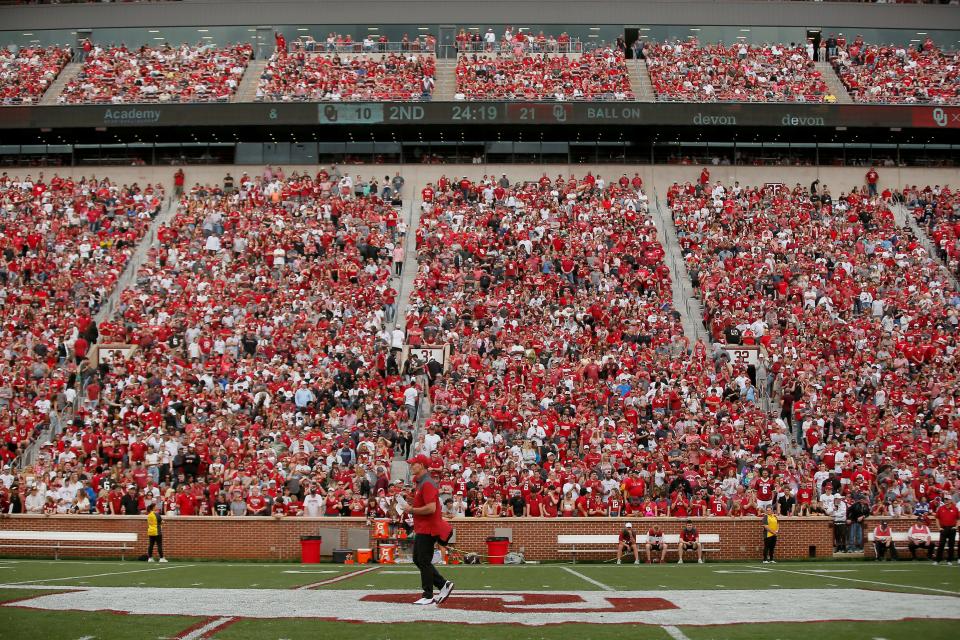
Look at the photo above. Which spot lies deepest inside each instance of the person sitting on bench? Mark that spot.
(689, 541)
(883, 541)
(629, 542)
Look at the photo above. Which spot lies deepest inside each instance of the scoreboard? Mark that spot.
(698, 115)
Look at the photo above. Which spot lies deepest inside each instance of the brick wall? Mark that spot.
(278, 539)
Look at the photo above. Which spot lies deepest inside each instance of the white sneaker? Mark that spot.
(163, 559)
(445, 592)
(618, 562)
(773, 562)
(700, 561)
(423, 601)
(935, 563)
(766, 562)
(149, 559)
(636, 562)
(680, 561)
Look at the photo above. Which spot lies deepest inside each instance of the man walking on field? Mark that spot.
(431, 528)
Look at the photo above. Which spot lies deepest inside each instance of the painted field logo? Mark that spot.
(539, 603)
(714, 120)
(681, 607)
(801, 121)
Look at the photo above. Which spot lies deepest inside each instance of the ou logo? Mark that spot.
(940, 117)
(535, 603)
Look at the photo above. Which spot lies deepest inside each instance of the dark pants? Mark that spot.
(885, 548)
(423, 545)
(839, 536)
(928, 546)
(769, 544)
(158, 541)
(948, 537)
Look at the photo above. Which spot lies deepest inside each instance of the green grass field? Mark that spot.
(73, 600)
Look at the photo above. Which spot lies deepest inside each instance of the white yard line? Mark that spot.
(201, 632)
(885, 584)
(605, 587)
(345, 576)
(672, 631)
(100, 575)
(675, 632)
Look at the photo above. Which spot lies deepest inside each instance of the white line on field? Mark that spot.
(196, 634)
(588, 579)
(675, 632)
(345, 576)
(885, 584)
(101, 575)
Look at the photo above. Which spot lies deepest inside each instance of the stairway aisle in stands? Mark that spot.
(905, 219)
(247, 89)
(71, 71)
(129, 275)
(411, 214)
(684, 295)
(834, 84)
(445, 81)
(640, 81)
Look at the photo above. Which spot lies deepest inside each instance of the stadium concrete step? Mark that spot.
(640, 81)
(685, 299)
(247, 91)
(446, 81)
(834, 84)
(905, 219)
(71, 71)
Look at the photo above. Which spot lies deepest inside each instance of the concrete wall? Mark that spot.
(279, 539)
(659, 176)
(427, 12)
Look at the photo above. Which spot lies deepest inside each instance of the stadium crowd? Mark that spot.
(924, 74)
(860, 325)
(64, 244)
(517, 43)
(520, 75)
(25, 74)
(119, 75)
(266, 379)
(261, 357)
(742, 72)
(937, 210)
(303, 76)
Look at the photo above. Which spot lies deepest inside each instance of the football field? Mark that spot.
(88, 600)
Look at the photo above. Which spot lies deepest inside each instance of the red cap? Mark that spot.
(422, 459)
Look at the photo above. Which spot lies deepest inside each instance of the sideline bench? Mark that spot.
(587, 543)
(903, 538)
(122, 542)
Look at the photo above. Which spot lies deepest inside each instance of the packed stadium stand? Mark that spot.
(26, 74)
(741, 72)
(914, 74)
(638, 269)
(311, 77)
(521, 75)
(117, 75)
(65, 243)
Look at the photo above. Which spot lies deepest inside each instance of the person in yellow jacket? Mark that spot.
(154, 534)
(771, 527)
